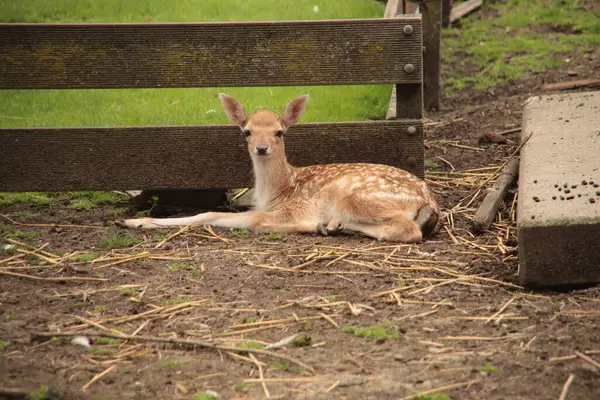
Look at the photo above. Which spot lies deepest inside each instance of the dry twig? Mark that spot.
(155, 339)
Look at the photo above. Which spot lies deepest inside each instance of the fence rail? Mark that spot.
(288, 53)
(187, 157)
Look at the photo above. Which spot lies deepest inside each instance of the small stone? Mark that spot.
(536, 199)
(570, 197)
(572, 73)
(555, 185)
(597, 193)
(596, 185)
(553, 197)
(533, 217)
(562, 198)
(566, 185)
(584, 182)
(573, 186)
(535, 181)
(567, 190)
(592, 200)
(579, 195)
(560, 189)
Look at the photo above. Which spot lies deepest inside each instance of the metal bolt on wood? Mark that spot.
(409, 68)
(408, 29)
(411, 130)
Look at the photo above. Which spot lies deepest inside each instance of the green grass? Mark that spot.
(128, 292)
(90, 200)
(517, 31)
(102, 340)
(435, 396)
(115, 107)
(39, 199)
(243, 387)
(102, 350)
(42, 393)
(172, 302)
(84, 200)
(373, 332)
(192, 269)
(10, 232)
(160, 234)
(282, 365)
(251, 345)
(3, 346)
(239, 233)
(430, 164)
(271, 236)
(249, 319)
(115, 240)
(100, 309)
(204, 396)
(25, 214)
(302, 340)
(172, 363)
(87, 257)
(148, 212)
(489, 369)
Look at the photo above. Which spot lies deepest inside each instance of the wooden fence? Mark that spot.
(161, 55)
(431, 13)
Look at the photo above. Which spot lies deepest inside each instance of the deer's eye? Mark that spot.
(279, 133)
(247, 133)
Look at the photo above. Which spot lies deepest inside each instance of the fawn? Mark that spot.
(379, 201)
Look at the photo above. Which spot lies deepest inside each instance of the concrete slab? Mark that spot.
(559, 191)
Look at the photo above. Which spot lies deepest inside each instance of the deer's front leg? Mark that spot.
(226, 220)
(255, 221)
(279, 222)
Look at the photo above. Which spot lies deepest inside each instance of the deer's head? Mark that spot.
(264, 129)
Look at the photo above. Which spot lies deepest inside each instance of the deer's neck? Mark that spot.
(274, 179)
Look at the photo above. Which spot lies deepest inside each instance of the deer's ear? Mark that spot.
(294, 110)
(233, 109)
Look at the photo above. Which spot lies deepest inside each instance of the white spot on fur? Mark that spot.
(393, 196)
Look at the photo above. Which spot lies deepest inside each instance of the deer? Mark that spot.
(375, 200)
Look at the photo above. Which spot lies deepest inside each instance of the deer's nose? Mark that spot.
(261, 149)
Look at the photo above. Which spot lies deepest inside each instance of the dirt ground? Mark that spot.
(445, 316)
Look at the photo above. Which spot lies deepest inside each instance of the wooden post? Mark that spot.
(431, 12)
(410, 7)
(446, 8)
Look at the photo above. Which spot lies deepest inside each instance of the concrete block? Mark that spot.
(559, 191)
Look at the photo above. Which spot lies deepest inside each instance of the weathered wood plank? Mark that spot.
(281, 53)
(584, 83)
(432, 29)
(187, 157)
(392, 8)
(446, 10)
(486, 213)
(411, 102)
(410, 7)
(463, 9)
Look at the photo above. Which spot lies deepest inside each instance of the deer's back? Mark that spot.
(363, 185)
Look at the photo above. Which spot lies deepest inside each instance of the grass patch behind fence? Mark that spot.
(508, 40)
(189, 106)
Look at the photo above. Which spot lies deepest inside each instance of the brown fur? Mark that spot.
(380, 201)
